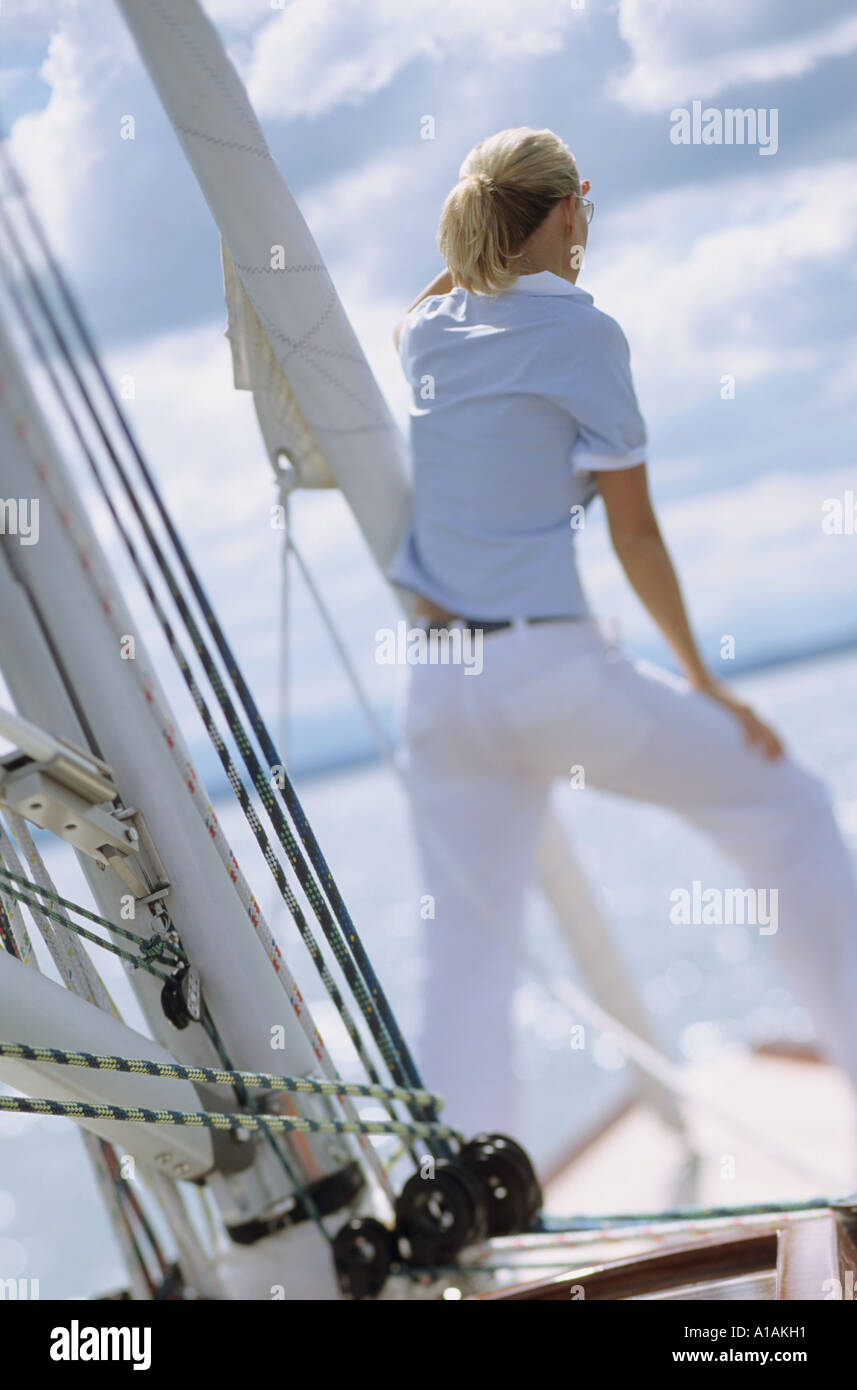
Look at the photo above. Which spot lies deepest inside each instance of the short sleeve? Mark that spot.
(403, 342)
(592, 379)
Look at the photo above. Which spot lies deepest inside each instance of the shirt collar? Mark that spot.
(545, 282)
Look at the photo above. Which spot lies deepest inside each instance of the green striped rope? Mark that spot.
(217, 1076)
(556, 1225)
(7, 935)
(154, 947)
(141, 941)
(82, 1110)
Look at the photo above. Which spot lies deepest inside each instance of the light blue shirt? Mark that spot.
(516, 399)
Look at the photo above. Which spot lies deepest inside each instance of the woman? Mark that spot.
(523, 406)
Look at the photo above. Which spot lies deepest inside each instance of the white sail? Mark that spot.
(279, 265)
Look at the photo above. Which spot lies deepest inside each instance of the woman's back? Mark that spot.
(515, 398)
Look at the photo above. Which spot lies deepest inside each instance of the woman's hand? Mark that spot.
(756, 732)
(441, 284)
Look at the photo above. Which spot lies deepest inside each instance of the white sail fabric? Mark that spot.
(255, 368)
(274, 255)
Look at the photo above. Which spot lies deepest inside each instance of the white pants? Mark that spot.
(480, 753)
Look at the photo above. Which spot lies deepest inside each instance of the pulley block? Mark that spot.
(437, 1216)
(363, 1251)
(503, 1169)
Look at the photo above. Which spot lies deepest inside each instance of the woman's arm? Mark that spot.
(441, 284)
(640, 548)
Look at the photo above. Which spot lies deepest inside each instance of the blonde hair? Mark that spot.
(506, 187)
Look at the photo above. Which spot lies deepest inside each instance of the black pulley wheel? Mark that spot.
(438, 1216)
(363, 1251)
(504, 1168)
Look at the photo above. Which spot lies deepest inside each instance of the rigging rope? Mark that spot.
(13, 928)
(295, 808)
(174, 743)
(141, 941)
(151, 949)
(279, 1153)
(294, 1177)
(254, 1080)
(375, 1009)
(208, 1119)
(9, 936)
(141, 962)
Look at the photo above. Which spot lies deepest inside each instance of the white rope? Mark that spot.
(68, 953)
(642, 1053)
(20, 935)
(288, 480)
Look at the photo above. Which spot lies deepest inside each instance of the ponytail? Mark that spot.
(506, 187)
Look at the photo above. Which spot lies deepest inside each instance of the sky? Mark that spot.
(719, 261)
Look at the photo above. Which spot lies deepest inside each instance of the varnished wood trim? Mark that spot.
(715, 1257)
(808, 1259)
(787, 1050)
(847, 1226)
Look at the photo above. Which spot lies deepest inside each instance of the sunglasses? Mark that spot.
(587, 207)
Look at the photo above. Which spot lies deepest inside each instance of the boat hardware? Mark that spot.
(438, 1216)
(363, 1252)
(507, 1177)
(181, 997)
(328, 1195)
(490, 1188)
(65, 789)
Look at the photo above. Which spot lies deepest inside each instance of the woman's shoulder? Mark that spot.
(579, 325)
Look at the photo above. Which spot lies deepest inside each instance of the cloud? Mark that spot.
(29, 18)
(320, 54)
(682, 52)
(60, 148)
(705, 284)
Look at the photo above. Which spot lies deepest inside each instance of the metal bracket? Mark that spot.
(68, 791)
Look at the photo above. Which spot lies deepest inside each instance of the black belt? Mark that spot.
(483, 625)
